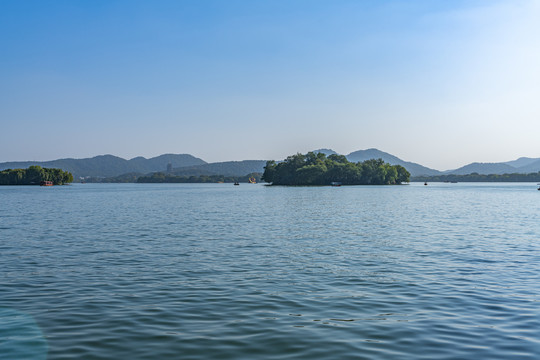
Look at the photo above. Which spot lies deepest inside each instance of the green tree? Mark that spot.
(402, 174)
(338, 158)
(269, 171)
(390, 177)
(310, 174)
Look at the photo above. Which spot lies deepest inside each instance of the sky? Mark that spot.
(440, 83)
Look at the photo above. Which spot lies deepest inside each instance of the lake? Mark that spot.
(216, 271)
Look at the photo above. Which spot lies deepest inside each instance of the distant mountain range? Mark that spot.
(188, 165)
(522, 165)
(109, 165)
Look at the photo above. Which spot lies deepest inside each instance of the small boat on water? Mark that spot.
(335, 183)
(425, 183)
(46, 183)
(236, 183)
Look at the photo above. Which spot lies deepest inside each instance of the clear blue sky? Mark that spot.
(441, 83)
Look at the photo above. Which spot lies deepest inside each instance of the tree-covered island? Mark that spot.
(34, 175)
(317, 169)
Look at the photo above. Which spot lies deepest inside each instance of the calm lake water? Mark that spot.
(216, 271)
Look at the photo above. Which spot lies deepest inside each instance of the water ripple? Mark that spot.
(220, 272)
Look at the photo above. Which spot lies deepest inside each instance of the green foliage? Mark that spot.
(161, 177)
(317, 169)
(34, 175)
(269, 171)
(475, 177)
(124, 178)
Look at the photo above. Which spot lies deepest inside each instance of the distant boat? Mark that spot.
(425, 183)
(236, 183)
(46, 183)
(335, 183)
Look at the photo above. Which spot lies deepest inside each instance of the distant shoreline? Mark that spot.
(475, 177)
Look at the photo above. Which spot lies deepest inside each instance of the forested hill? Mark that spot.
(109, 165)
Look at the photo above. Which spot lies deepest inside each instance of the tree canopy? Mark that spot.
(317, 169)
(34, 175)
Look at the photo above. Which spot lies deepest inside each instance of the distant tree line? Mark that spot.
(317, 169)
(475, 177)
(34, 175)
(161, 177)
(124, 178)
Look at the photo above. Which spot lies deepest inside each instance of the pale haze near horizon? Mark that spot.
(439, 83)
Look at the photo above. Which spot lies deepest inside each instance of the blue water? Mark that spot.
(215, 271)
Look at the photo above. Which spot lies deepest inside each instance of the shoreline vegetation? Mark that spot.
(310, 169)
(475, 177)
(35, 175)
(161, 177)
(315, 169)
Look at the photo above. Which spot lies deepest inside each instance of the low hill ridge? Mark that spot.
(531, 167)
(520, 166)
(483, 168)
(110, 165)
(521, 162)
